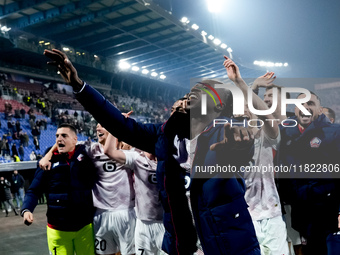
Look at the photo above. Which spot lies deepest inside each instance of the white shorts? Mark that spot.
(114, 231)
(272, 236)
(149, 238)
(292, 235)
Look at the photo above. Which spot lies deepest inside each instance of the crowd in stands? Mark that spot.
(37, 106)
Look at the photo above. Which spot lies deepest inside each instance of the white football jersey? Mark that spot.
(113, 189)
(148, 205)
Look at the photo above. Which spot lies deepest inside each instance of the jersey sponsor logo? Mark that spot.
(152, 178)
(315, 142)
(109, 167)
(80, 157)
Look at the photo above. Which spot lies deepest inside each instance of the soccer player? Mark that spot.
(149, 227)
(68, 187)
(113, 197)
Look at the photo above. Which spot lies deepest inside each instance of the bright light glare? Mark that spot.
(229, 50)
(145, 71)
(214, 6)
(185, 20)
(217, 41)
(5, 29)
(195, 27)
(269, 64)
(162, 76)
(211, 37)
(204, 33)
(135, 68)
(66, 49)
(123, 65)
(223, 46)
(154, 74)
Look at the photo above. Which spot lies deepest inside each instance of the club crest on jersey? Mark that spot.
(80, 157)
(315, 142)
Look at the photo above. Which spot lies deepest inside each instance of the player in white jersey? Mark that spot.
(114, 198)
(261, 192)
(149, 227)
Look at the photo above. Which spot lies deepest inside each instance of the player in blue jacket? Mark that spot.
(68, 188)
(311, 149)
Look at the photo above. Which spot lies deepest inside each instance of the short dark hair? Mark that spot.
(331, 112)
(67, 125)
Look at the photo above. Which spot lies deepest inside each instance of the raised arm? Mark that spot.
(138, 135)
(270, 127)
(110, 149)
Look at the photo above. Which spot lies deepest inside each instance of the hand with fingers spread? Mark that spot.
(264, 81)
(233, 71)
(236, 137)
(65, 67)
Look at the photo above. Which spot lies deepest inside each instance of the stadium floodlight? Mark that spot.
(195, 27)
(204, 33)
(224, 46)
(135, 68)
(154, 74)
(269, 64)
(229, 50)
(162, 76)
(145, 71)
(214, 6)
(217, 41)
(185, 20)
(66, 49)
(5, 28)
(41, 42)
(211, 37)
(95, 56)
(124, 65)
(47, 43)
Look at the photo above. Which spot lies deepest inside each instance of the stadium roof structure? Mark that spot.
(138, 32)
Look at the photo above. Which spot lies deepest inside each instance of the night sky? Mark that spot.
(304, 33)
